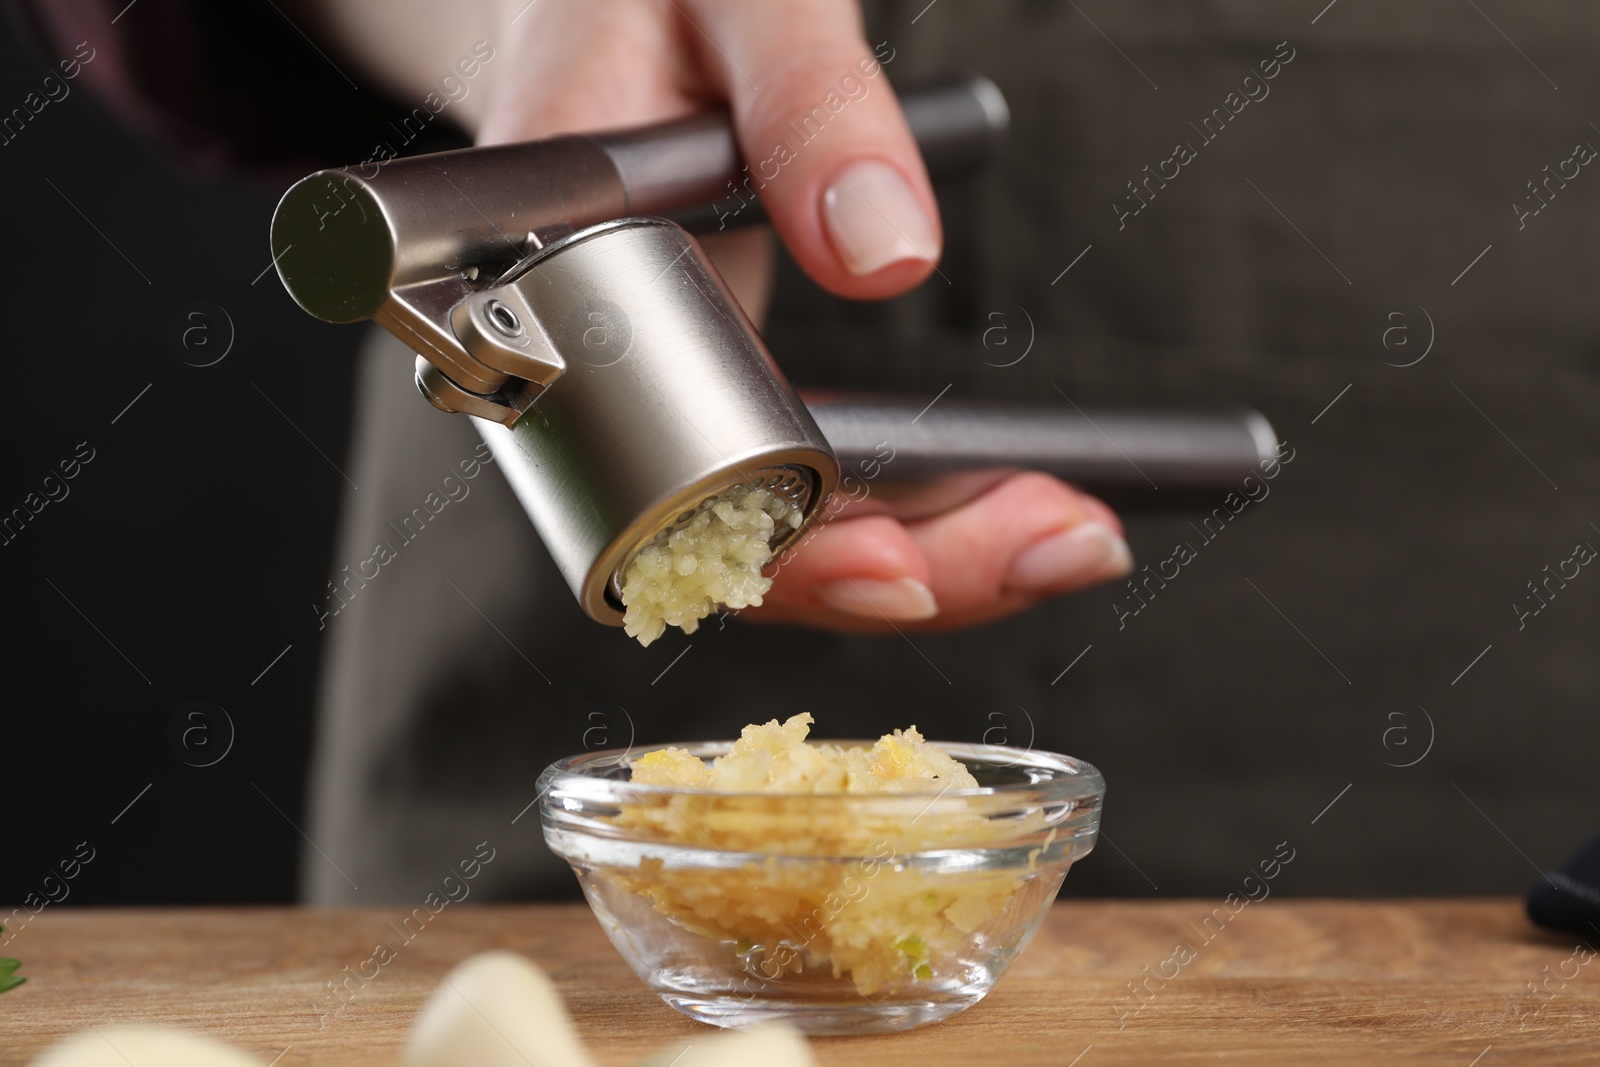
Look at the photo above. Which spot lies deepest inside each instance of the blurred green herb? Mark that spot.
(9, 978)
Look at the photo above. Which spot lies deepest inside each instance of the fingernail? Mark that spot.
(1089, 552)
(874, 219)
(873, 598)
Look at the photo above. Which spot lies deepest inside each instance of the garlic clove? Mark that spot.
(494, 1010)
(767, 1045)
(142, 1046)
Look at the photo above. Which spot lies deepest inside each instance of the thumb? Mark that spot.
(826, 143)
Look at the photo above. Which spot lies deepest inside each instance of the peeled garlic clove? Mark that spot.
(142, 1046)
(494, 1010)
(767, 1045)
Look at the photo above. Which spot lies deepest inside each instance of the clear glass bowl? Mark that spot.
(841, 913)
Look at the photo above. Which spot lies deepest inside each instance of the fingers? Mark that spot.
(828, 148)
(1029, 537)
(869, 568)
(579, 67)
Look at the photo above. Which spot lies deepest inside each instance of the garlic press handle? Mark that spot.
(405, 242)
(905, 457)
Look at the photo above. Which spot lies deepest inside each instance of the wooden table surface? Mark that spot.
(1455, 983)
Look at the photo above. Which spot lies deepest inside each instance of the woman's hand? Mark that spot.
(1027, 538)
(852, 205)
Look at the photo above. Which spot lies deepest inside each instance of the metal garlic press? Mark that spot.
(554, 292)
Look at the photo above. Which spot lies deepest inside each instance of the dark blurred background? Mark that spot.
(186, 554)
(184, 562)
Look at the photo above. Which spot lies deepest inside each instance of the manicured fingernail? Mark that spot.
(874, 219)
(873, 598)
(1089, 552)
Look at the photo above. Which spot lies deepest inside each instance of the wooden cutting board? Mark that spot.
(1455, 983)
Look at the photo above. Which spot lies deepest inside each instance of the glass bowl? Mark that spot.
(839, 913)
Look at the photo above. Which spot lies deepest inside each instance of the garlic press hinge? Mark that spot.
(497, 328)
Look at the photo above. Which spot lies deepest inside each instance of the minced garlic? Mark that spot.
(776, 759)
(714, 557)
(836, 893)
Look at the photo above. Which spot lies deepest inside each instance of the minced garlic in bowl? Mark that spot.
(712, 558)
(846, 887)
